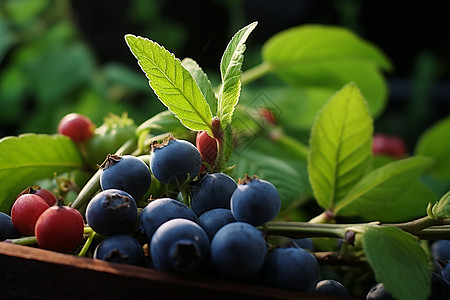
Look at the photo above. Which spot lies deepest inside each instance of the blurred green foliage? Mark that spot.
(48, 70)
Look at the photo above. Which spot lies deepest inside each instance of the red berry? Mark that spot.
(25, 211)
(389, 145)
(268, 115)
(60, 228)
(45, 194)
(207, 146)
(77, 127)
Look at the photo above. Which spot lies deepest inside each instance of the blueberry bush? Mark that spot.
(306, 137)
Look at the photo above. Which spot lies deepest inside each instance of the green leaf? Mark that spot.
(162, 122)
(282, 175)
(411, 204)
(340, 146)
(329, 56)
(398, 261)
(202, 81)
(172, 83)
(230, 69)
(31, 157)
(441, 210)
(433, 144)
(383, 186)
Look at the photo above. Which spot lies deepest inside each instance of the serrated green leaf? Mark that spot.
(329, 56)
(172, 83)
(441, 210)
(398, 261)
(282, 175)
(383, 185)
(202, 81)
(433, 144)
(340, 146)
(230, 69)
(31, 157)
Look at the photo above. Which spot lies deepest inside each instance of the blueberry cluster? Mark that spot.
(214, 230)
(113, 212)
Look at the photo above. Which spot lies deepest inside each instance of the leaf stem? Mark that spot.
(87, 244)
(25, 241)
(256, 72)
(423, 228)
(418, 225)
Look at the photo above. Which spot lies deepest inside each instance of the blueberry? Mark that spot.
(378, 292)
(121, 249)
(180, 245)
(212, 220)
(112, 212)
(305, 243)
(7, 229)
(172, 161)
(331, 287)
(127, 173)
(440, 287)
(161, 210)
(445, 272)
(440, 250)
(255, 201)
(291, 268)
(238, 250)
(212, 191)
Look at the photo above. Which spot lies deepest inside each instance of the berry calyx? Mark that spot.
(45, 194)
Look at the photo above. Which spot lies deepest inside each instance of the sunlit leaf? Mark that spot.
(340, 146)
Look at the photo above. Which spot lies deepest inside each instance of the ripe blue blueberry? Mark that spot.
(440, 250)
(112, 212)
(172, 161)
(440, 287)
(214, 219)
(238, 250)
(291, 268)
(305, 243)
(445, 272)
(7, 229)
(122, 249)
(378, 292)
(180, 245)
(159, 211)
(255, 201)
(331, 287)
(212, 191)
(127, 173)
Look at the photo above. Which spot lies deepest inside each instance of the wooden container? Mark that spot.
(32, 273)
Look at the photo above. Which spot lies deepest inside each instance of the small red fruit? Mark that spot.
(77, 127)
(25, 211)
(207, 146)
(268, 115)
(389, 145)
(60, 228)
(45, 194)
